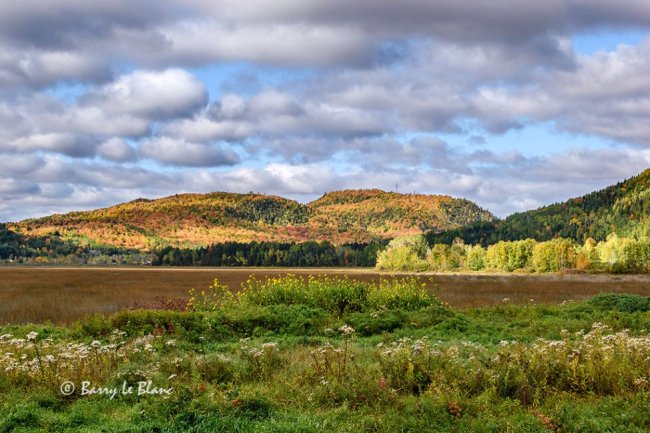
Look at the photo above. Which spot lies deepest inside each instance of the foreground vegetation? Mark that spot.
(332, 354)
(615, 255)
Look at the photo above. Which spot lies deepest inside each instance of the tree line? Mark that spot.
(615, 254)
(311, 253)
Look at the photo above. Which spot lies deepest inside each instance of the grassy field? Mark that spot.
(334, 355)
(63, 295)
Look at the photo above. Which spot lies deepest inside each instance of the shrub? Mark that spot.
(333, 294)
(621, 302)
(337, 295)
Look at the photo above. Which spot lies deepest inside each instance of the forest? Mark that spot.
(622, 208)
(17, 248)
(308, 254)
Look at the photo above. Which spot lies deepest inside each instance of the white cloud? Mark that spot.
(115, 149)
(180, 152)
(150, 95)
(67, 144)
(343, 94)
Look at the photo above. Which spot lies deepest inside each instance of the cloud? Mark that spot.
(201, 41)
(103, 102)
(115, 149)
(606, 95)
(501, 20)
(149, 95)
(36, 68)
(180, 152)
(67, 144)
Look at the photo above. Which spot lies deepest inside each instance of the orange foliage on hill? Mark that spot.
(200, 219)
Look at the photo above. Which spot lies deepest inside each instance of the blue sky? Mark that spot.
(511, 103)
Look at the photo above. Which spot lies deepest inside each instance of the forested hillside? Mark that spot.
(198, 220)
(623, 209)
(15, 247)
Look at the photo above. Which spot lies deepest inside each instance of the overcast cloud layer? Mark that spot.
(103, 102)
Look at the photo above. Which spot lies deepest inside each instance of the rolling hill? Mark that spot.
(191, 220)
(623, 208)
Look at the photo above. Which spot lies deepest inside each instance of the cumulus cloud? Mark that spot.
(67, 144)
(115, 149)
(180, 152)
(606, 95)
(150, 95)
(104, 102)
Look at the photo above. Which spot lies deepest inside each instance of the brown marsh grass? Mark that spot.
(62, 295)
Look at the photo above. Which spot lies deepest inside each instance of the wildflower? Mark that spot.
(505, 300)
(172, 376)
(269, 346)
(641, 383)
(454, 409)
(346, 330)
(32, 336)
(171, 343)
(418, 346)
(95, 344)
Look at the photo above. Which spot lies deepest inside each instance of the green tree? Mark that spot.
(475, 258)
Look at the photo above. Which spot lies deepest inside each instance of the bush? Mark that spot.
(337, 295)
(621, 302)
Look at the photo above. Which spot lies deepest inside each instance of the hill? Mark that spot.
(623, 208)
(190, 220)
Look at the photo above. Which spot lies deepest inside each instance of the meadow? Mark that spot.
(65, 294)
(323, 354)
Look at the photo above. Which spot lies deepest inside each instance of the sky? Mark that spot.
(513, 104)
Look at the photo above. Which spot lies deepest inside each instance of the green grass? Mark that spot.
(282, 358)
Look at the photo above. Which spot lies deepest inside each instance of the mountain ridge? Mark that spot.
(622, 208)
(192, 219)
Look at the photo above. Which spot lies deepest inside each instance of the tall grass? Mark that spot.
(336, 295)
(248, 362)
